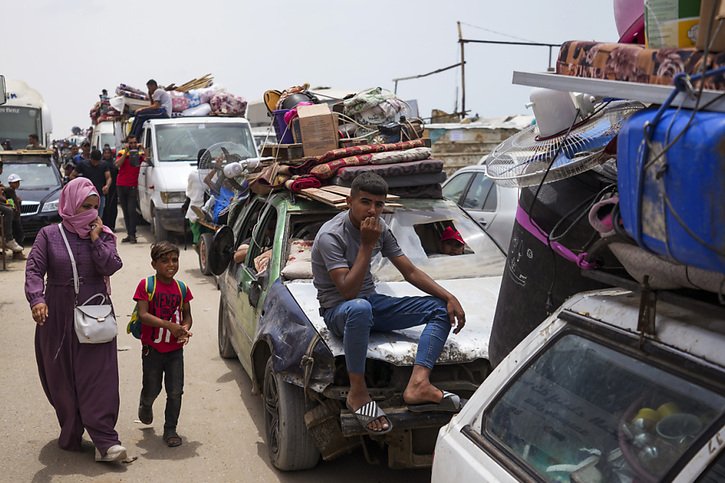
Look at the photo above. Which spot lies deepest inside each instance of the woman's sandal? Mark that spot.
(368, 412)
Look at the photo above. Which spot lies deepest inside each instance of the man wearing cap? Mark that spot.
(452, 242)
(8, 215)
(12, 194)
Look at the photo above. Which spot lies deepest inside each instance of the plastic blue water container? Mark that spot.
(674, 205)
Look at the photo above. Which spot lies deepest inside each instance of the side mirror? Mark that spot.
(255, 291)
(3, 95)
(221, 250)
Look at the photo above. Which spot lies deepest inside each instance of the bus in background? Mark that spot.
(24, 112)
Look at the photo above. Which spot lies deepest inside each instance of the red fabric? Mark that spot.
(451, 233)
(369, 148)
(298, 184)
(166, 305)
(127, 174)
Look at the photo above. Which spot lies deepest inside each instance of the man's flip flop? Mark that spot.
(172, 440)
(368, 412)
(451, 403)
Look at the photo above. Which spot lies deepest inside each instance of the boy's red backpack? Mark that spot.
(134, 325)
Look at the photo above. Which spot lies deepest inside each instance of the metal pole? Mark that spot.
(463, 72)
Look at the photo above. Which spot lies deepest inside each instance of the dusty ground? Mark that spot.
(221, 422)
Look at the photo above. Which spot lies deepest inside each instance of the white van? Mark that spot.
(171, 147)
(108, 132)
(591, 395)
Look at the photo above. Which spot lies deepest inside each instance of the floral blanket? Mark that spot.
(634, 63)
(426, 166)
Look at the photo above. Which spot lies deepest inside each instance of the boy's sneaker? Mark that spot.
(114, 453)
(129, 239)
(145, 414)
(13, 245)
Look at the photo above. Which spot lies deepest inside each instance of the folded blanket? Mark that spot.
(298, 184)
(349, 173)
(328, 170)
(369, 148)
(395, 182)
(434, 191)
(414, 154)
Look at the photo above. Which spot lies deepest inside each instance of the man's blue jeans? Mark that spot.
(353, 320)
(137, 126)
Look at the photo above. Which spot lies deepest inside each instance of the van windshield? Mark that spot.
(17, 122)
(182, 142)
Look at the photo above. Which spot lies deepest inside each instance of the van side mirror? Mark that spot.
(3, 95)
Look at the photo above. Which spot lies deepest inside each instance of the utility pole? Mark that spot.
(463, 71)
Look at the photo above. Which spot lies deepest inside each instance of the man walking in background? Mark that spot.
(128, 162)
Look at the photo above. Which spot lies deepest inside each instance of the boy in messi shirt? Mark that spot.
(165, 316)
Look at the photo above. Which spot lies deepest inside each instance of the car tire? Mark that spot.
(289, 443)
(226, 350)
(203, 249)
(160, 233)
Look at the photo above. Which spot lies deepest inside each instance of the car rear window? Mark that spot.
(582, 411)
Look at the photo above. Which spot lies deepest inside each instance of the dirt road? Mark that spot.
(222, 423)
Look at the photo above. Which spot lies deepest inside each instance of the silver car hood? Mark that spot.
(477, 295)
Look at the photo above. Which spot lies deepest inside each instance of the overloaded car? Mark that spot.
(269, 319)
(595, 395)
(39, 189)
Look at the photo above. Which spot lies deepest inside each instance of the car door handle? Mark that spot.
(483, 222)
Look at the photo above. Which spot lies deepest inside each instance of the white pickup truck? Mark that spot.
(172, 146)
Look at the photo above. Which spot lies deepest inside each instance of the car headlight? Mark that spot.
(173, 196)
(50, 206)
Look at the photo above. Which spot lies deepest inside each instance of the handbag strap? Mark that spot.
(72, 261)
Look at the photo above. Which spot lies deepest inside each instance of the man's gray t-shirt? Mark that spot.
(336, 246)
(163, 98)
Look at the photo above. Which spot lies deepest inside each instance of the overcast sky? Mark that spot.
(70, 49)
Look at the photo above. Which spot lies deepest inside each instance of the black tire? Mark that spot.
(226, 350)
(289, 444)
(160, 233)
(203, 250)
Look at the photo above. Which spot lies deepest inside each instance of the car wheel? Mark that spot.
(160, 233)
(226, 351)
(290, 445)
(204, 246)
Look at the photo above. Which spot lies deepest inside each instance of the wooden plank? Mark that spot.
(323, 196)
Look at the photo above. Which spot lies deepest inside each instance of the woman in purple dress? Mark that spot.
(80, 380)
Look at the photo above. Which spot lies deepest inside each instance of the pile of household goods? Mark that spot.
(197, 97)
(373, 115)
(614, 185)
(328, 142)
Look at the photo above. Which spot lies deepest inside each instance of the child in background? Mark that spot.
(166, 320)
(452, 242)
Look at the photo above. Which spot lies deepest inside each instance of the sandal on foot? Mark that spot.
(369, 412)
(172, 440)
(450, 403)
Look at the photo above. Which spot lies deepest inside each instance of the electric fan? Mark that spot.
(523, 159)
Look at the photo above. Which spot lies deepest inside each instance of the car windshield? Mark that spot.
(182, 142)
(34, 176)
(585, 412)
(418, 228)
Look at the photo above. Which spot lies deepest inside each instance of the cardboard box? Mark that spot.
(671, 23)
(717, 44)
(317, 129)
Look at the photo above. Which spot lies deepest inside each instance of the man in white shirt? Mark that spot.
(160, 108)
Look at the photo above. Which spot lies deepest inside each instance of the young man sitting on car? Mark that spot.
(350, 307)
